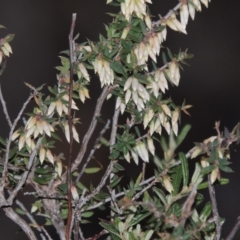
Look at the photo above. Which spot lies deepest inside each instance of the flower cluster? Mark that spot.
(35, 125)
(149, 47)
(136, 6)
(102, 67)
(74, 131)
(61, 105)
(141, 150)
(157, 120)
(137, 92)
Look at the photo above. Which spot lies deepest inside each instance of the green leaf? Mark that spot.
(110, 228)
(9, 37)
(115, 182)
(207, 170)
(117, 67)
(118, 167)
(177, 179)
(183, 134)
(92, 170)
(42, 180)
(160, 194)
(81, 186)
(170, 54)
(164, 58)
(206, 212)
(3, 142)
(185, 168)
(20, 211)
(138, 218)
(87, 214)
(226, 169)
(43, 170)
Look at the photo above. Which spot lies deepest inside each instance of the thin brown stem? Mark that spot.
(70, 125)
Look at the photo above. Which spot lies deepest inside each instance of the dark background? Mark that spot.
(211, 83)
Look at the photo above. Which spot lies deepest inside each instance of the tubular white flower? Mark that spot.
(142, 151)
(151, 147)
(197, 4)
(192, 11)
(42, 154)
(134, 156)
(184, 15)
(50, 156)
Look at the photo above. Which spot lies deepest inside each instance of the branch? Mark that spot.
(92, 126)
(106, 127)
(33, 221)
(157, 23)
(95, 237)
(187, 206)
(118, 195)
(234, 230)
(5, 108)
(69, 180)
(215, 210)
(19, 221)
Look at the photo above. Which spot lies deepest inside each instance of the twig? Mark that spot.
(118, 195)
(46, 233)
(92, 126)
(215, 210)
(106, 127)
(81, 234)
(5, 108)
(69, 180)
(144, 190)
(102, 182)
(31, 218)
(113, 200)
(157, 23)
(143, 171)
(187, 206)
(5, 168)
(112, 142)
(234, 230)
(103, 232)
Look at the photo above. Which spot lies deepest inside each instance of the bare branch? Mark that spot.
(5, 108)
(157, 23)
(234, 230)
(214, 208)
(92, 126)
(20, 222)
(33, 221)
(187, 206)
(118, 195)
(106, 127)
(103, 232)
